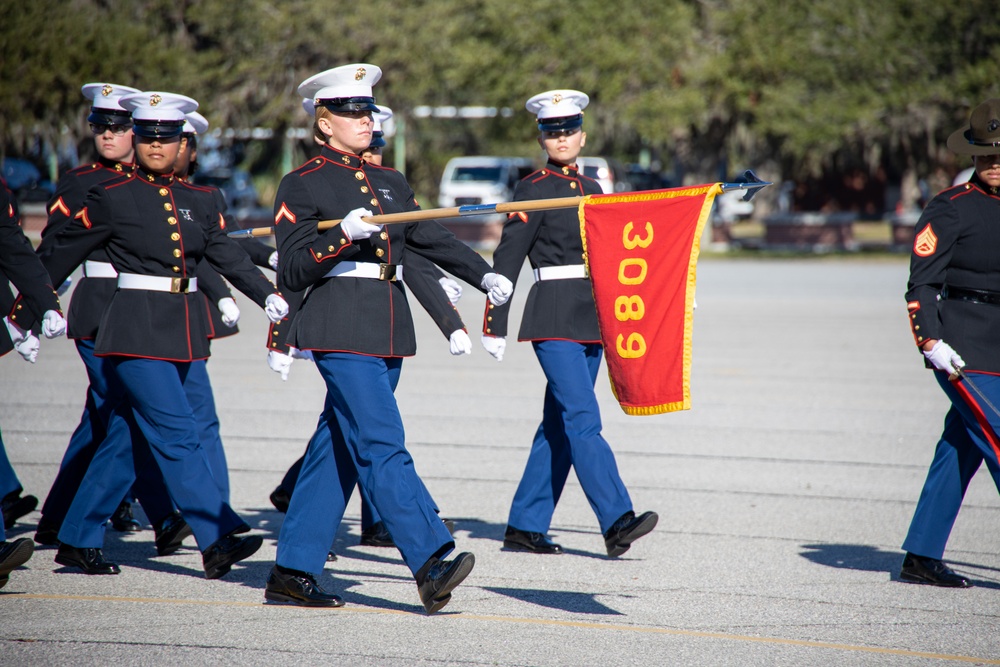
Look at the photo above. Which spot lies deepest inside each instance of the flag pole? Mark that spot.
(751, 185)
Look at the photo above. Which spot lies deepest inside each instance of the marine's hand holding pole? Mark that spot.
(498, 288)
(460, 342)
(944, 358)
(229, 310)
(495, 345)
(356, 228)
(272, 260)
(275, 307)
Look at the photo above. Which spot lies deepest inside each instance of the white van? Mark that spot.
(481, 179)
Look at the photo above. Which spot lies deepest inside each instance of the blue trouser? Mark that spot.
(158, 407)
(105, 391)
(369, 517)
(970, 437)
(569, 435)
(8, 482)
(202, 401)
(366, 431)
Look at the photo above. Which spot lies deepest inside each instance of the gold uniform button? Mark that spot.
(491, 306)
(573, 185)
(489, 319)
(544, 172)
(330, 248)
(379, 252)
(275, 344)
(374, 202)
(172, 220)
(565, 171)
(167, 206)
(384, 236)
(920, 338)
(364, 188)
(175, 237)
(318, 255)
(177, 252)
(488, 330)
(19, 306)
(343, 241)
(916, 328)
(177, 269)
(358, 175)
(163, 192)
(319, 162)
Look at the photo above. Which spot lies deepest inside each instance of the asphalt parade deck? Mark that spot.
(783, 495)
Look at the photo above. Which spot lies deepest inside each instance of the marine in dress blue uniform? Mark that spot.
(560, 320)
(112, 127)
(351, 268)
(953, 299)
(156, 228)
(437, 294)
(20, 265)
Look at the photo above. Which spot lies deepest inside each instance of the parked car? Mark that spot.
(236, 185)
(481, 179)
(610, 173)
(25, 180)
(642, 178)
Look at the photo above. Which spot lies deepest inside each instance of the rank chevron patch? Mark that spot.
(283, 212)
(925, 243)
(59, 205)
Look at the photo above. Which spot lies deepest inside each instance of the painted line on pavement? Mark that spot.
(534, 621)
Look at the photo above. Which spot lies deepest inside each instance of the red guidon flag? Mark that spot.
(641, 250)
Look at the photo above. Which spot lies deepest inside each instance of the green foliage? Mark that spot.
(800, 88)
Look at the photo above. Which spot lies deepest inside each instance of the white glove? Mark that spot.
(229, 310)
(451, 288)
(53, 324)
(272, 260)
(275, 307)
(25, 342)
(495, 345)
(498, 288)
(279, 363)
(355, 228)
(944, 358)
(296, 353)
(460, 342)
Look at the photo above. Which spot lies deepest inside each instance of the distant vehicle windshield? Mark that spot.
(490, 174)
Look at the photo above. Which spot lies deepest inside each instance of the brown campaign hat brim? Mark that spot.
(960, 143)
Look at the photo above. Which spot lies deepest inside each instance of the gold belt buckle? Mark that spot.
(178, 285)
(387, 272)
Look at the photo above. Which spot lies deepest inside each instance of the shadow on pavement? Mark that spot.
(872, 559)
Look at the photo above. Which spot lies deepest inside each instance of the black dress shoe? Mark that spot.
(536, 543)
(123, 521)
(280, 499)
(377, 535)
(627, 529)
(298, 588)
(47, 532)
(219, 558)
(170, 534)
(330, 557)
(438, 578)
(921, 570)
(91, 561)
(12, 556)
(14, 506)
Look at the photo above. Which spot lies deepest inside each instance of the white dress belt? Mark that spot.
(366, 270)
(560, 272)
(157, 283)
(92, 269)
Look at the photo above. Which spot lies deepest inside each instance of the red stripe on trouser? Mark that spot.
(984, 423)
